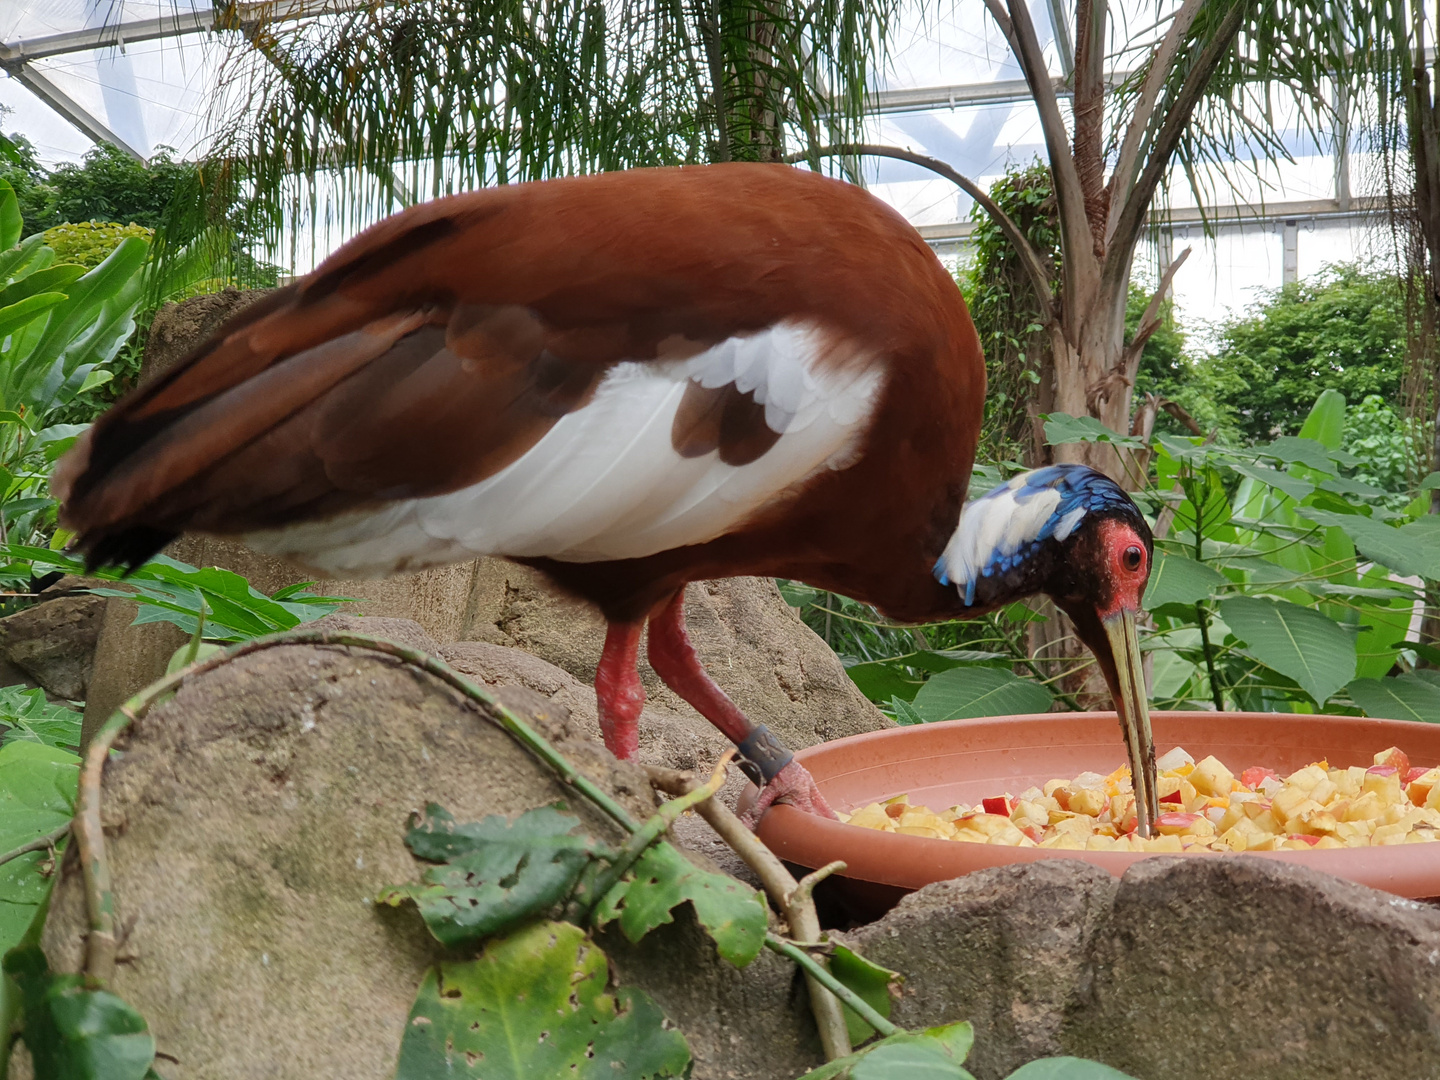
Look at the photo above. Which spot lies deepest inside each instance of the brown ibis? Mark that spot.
(630, 381)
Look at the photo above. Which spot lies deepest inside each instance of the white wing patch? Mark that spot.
(998, 524)
(605, 482)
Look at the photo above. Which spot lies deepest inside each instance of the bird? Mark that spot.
(630, 381)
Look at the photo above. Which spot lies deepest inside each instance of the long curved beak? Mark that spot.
(1134, 710)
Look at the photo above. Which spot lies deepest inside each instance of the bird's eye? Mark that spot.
(1132, 558)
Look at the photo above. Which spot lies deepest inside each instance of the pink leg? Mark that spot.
(618, 691)
(674, 660)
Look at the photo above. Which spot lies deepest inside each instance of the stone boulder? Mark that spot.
(52, 643)
(1247, 969)
(1004, 948)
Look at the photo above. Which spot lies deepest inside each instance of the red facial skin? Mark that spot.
(1126, 565)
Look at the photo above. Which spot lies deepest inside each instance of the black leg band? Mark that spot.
(767, 754)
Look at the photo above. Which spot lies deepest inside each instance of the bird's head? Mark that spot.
(1071, 533)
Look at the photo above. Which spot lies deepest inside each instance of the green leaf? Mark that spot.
(73, 1032)
(905, 712)
(935, 1054)
(1409, 550)
(37, 796)
(27, 714)
(1062, 428)
(1298, 642)
(495, 873)
(1294, 486)
(879, 680)
(1178, 580)
(870, 981)
(1400, 697)
(663, 879)
(1067, 1068)
(1326, 422)
(973, 691)
(18, 314)
(535, 1006)
(11, 224)
(1297, 451)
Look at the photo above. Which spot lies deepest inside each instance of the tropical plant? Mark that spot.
(60, 326)
(1343, 330)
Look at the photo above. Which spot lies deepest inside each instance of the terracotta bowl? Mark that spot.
(964, 761)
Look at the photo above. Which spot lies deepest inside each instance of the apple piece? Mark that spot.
(1384, 781)
(997, 804)
(1176, 823)
(1173, 759)
(1324, 792)
(1308, 777)
(1255, 775)
(1089, 801)
(1393, 756)
(1308, 841)
(1173, 797)
(921, 830)
(1034, 832)
(870, 817)
(1210, 777)
(1366, 808)
(896, 809)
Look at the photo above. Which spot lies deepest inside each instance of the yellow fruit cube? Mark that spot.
(1209, 777)
(1307, 777)
(1365, 808)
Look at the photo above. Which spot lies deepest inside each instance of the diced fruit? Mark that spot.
(1212, 778)
(1253, 776)
(1208, 809)
(1394, 756)
(1173, 759)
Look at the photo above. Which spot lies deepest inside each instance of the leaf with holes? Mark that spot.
(494, 873)
(74, 1032)
(971, 691)
(1178, 580)
(1067, 1068)
(536, 1005)
(1298, 642)
(870, 981)
(934, 1054)
(1404, 697)
(663, 879)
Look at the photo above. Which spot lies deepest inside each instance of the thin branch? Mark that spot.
(1030, 259)
(790, 896)
(40, 843)
(1160, 61)
(1179, 412)
(1070, 201)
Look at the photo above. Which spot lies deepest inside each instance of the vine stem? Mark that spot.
(40, 843)
(790, 896)
(100, 943)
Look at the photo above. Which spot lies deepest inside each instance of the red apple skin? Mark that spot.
(1254, 776)
(997, 804)
(1034, 832)
(1311, 840)
(1382, 770)
(1397, 758)
(1414, 773)
(1173, 797)
(1176, 821)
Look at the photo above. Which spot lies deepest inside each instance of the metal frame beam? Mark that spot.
(957, 233)
(18, 57)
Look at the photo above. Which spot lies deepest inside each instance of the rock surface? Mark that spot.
(1247, 969)
(1004, 949)
(52, 645)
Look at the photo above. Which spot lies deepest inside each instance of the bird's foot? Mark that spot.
(794, 785)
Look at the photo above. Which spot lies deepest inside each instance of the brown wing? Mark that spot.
(443, 343)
